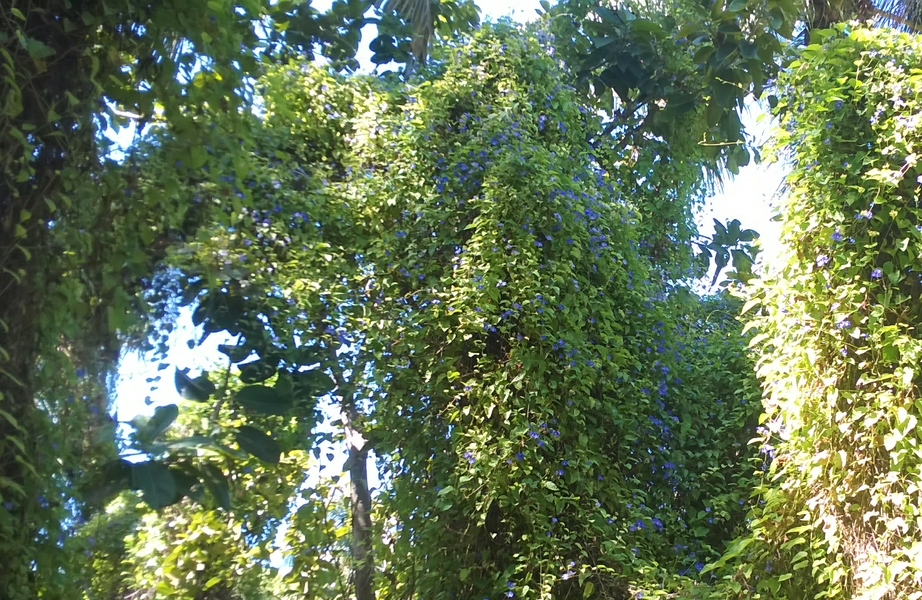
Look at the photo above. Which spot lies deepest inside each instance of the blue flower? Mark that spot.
(520, 456)
(836, 236)
(877, 274)
(822, 260)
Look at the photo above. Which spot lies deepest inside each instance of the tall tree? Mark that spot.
(82, 238)
(837, 330)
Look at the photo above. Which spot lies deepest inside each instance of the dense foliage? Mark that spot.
(81, 237)
(474, 279)
(838, 327)
(541, 394)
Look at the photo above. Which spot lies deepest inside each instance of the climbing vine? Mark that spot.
(836, 323)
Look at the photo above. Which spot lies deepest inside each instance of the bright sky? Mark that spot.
(745, 198)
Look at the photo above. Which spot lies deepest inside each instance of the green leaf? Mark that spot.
(776, 18)
(262, 399)
(737, 5)
(309, 355)
(216, 484)
(164, 416)
(236, 353)
(258, 444)
(257, 371)
(211, 583)
(198, 389)
(198, 156)
(36, 48)
(749, 49)
(155, 482)
(312, 383)
(188, 483)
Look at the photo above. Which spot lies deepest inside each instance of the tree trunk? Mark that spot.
(362, 559)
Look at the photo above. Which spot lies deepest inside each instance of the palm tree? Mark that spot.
(418, 13)
(899, 14)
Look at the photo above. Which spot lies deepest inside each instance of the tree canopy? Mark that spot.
(474, 276)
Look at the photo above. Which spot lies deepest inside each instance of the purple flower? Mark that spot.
(822, 260)
(836, 236)
(877, 274)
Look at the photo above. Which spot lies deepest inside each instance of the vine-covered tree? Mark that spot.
(838, 327)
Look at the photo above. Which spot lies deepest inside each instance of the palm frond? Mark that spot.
(905, 15)
(418, 13)
(899, 14)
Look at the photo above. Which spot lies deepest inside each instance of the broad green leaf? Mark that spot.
(262, 399)
(236, 353)
(216, 483)
(258, 370)
(199, 389)
(312, 383)
(155, 482)
(258, 444)
(163, 418)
